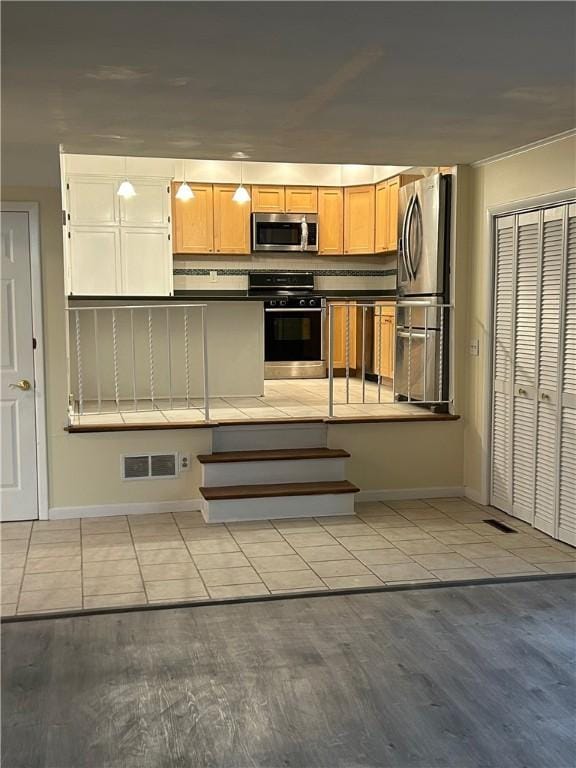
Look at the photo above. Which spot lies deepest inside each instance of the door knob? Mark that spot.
(24, 385)
(522, 391)
(545, 396)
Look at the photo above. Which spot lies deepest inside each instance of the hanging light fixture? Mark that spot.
(241, 195)
(185, 192)
(126, 189)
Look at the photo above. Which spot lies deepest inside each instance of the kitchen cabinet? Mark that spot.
(330, 221)
(301, 199)
(268, 199)
(193, 227)
(116, 246)
(386, 225)
(383, 339)
(359, 209)
(231, 221)
(344, 324)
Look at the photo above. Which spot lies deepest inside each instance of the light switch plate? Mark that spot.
(213, 276)
(184, 462)
(474, 347)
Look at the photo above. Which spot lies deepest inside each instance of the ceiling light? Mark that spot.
(241, 195)
(185, 192)
(126, 189)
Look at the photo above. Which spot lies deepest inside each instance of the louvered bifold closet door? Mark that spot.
(549, 352)
(524, 387)
(567, 436)
(505, 246)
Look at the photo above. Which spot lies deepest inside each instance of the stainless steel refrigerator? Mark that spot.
(423, 279)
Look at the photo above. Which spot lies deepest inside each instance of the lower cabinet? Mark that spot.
(384, 333)
(119, 261)
(344, 325)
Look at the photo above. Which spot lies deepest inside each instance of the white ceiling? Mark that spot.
(354, 82)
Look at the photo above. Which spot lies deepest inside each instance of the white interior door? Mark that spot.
(19, 471)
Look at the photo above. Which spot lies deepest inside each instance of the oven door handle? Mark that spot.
(293, 309)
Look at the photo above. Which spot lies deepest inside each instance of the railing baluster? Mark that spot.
(79, 364)
(115, 359)
(379, 350)
(169, 355)
(97, 360)
(441, 357)
(186, 358)
(134, 395)
(347, 345)
(205, 364)
(151, 356)
(331, 360)
(409, 354)
(425, 393)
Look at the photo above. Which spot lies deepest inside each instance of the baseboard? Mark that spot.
(142, 508)
(397, 494)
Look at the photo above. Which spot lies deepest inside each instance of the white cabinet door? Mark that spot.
(94, 254)
(93, 201)
(150, 207)
(146, 262)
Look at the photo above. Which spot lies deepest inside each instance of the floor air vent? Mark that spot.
(149, 466)
(501, 526)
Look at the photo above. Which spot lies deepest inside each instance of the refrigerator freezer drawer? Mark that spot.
(417, 371)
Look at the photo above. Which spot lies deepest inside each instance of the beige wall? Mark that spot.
(84, 470)
(539, 171)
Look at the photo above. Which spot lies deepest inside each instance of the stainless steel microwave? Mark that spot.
(284, 232)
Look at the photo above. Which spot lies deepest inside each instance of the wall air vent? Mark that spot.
(149, 466)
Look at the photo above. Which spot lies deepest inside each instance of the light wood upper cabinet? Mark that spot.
(381, 233)
(393, 227)
(384, 333)
(231, 221)
(301, 199)
(193, 220)
(359, 208)
(344, 325)
(268, 199)
(330, 221)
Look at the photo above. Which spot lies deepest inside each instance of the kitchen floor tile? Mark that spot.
(308, 539)
(118, 539)
(201, 532)
(238, 590)
(361, 543)
(155, 543)
(157, 556)
(55, 580)
(55, 525)
(98, 554)
(154, 518)
(55, 536)
(563, 567)
(329, 520)
(404, 534)
(225, 560)
(291, 580)
(175, 588)
(162, 571)
(353, 582)
(476, 551)
(331, 568)
(15, 530)
(423, 513)
(462, 574)
(372, 557)
(94, 570)
(506, 565)
(402, 504)
(401, 572)
(212, 546)
(8, 609)
(442, 562)
(109, 585)
(104, 525)
(257, 536)
(268, 548)
(437, 524)
(11, 576)
(459, 537)
(17, 560)
(50, 600)
(544, 555)
(352, 529)
(13, 546)
(297, 524)
(423, 546)
(281, 563)
(323, 553)
(115, 601)
(218, 577)
(189, 519)
(53, 550)
(9, 593)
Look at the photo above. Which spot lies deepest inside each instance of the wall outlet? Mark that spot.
(184, 462)
(474, 348)
(213, 276)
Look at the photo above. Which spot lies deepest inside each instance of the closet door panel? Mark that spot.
(567, 468)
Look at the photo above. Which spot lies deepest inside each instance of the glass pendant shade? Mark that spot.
(126, 189)
(241, 195)
(184, 192)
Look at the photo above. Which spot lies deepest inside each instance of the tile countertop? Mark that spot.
(237, 295)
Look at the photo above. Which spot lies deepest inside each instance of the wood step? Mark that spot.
(285, 454)
(226, 492)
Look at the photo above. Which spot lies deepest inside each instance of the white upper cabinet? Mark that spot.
(146, 262)
(93, 201)
(150, 207)
(117, 246)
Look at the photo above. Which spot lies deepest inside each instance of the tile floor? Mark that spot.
(117, 561)
(294, 398)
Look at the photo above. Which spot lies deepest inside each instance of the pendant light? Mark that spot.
(185, 192)
(126, 189)
(241, 195)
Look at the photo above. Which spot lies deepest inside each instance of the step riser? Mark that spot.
(276, 507)
(264, 437)
(257, 472)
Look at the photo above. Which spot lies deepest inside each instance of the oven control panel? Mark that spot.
(296, 302)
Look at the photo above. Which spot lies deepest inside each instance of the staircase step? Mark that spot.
(286, 454)
(265, 490)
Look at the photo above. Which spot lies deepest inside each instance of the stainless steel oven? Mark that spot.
(284, 232)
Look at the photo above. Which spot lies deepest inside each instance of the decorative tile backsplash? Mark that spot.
(315, 272)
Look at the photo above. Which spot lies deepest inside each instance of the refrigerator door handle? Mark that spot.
(406, 238)
(415, 225)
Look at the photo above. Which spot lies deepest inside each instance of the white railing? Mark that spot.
(141, 358)
(418, 374)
